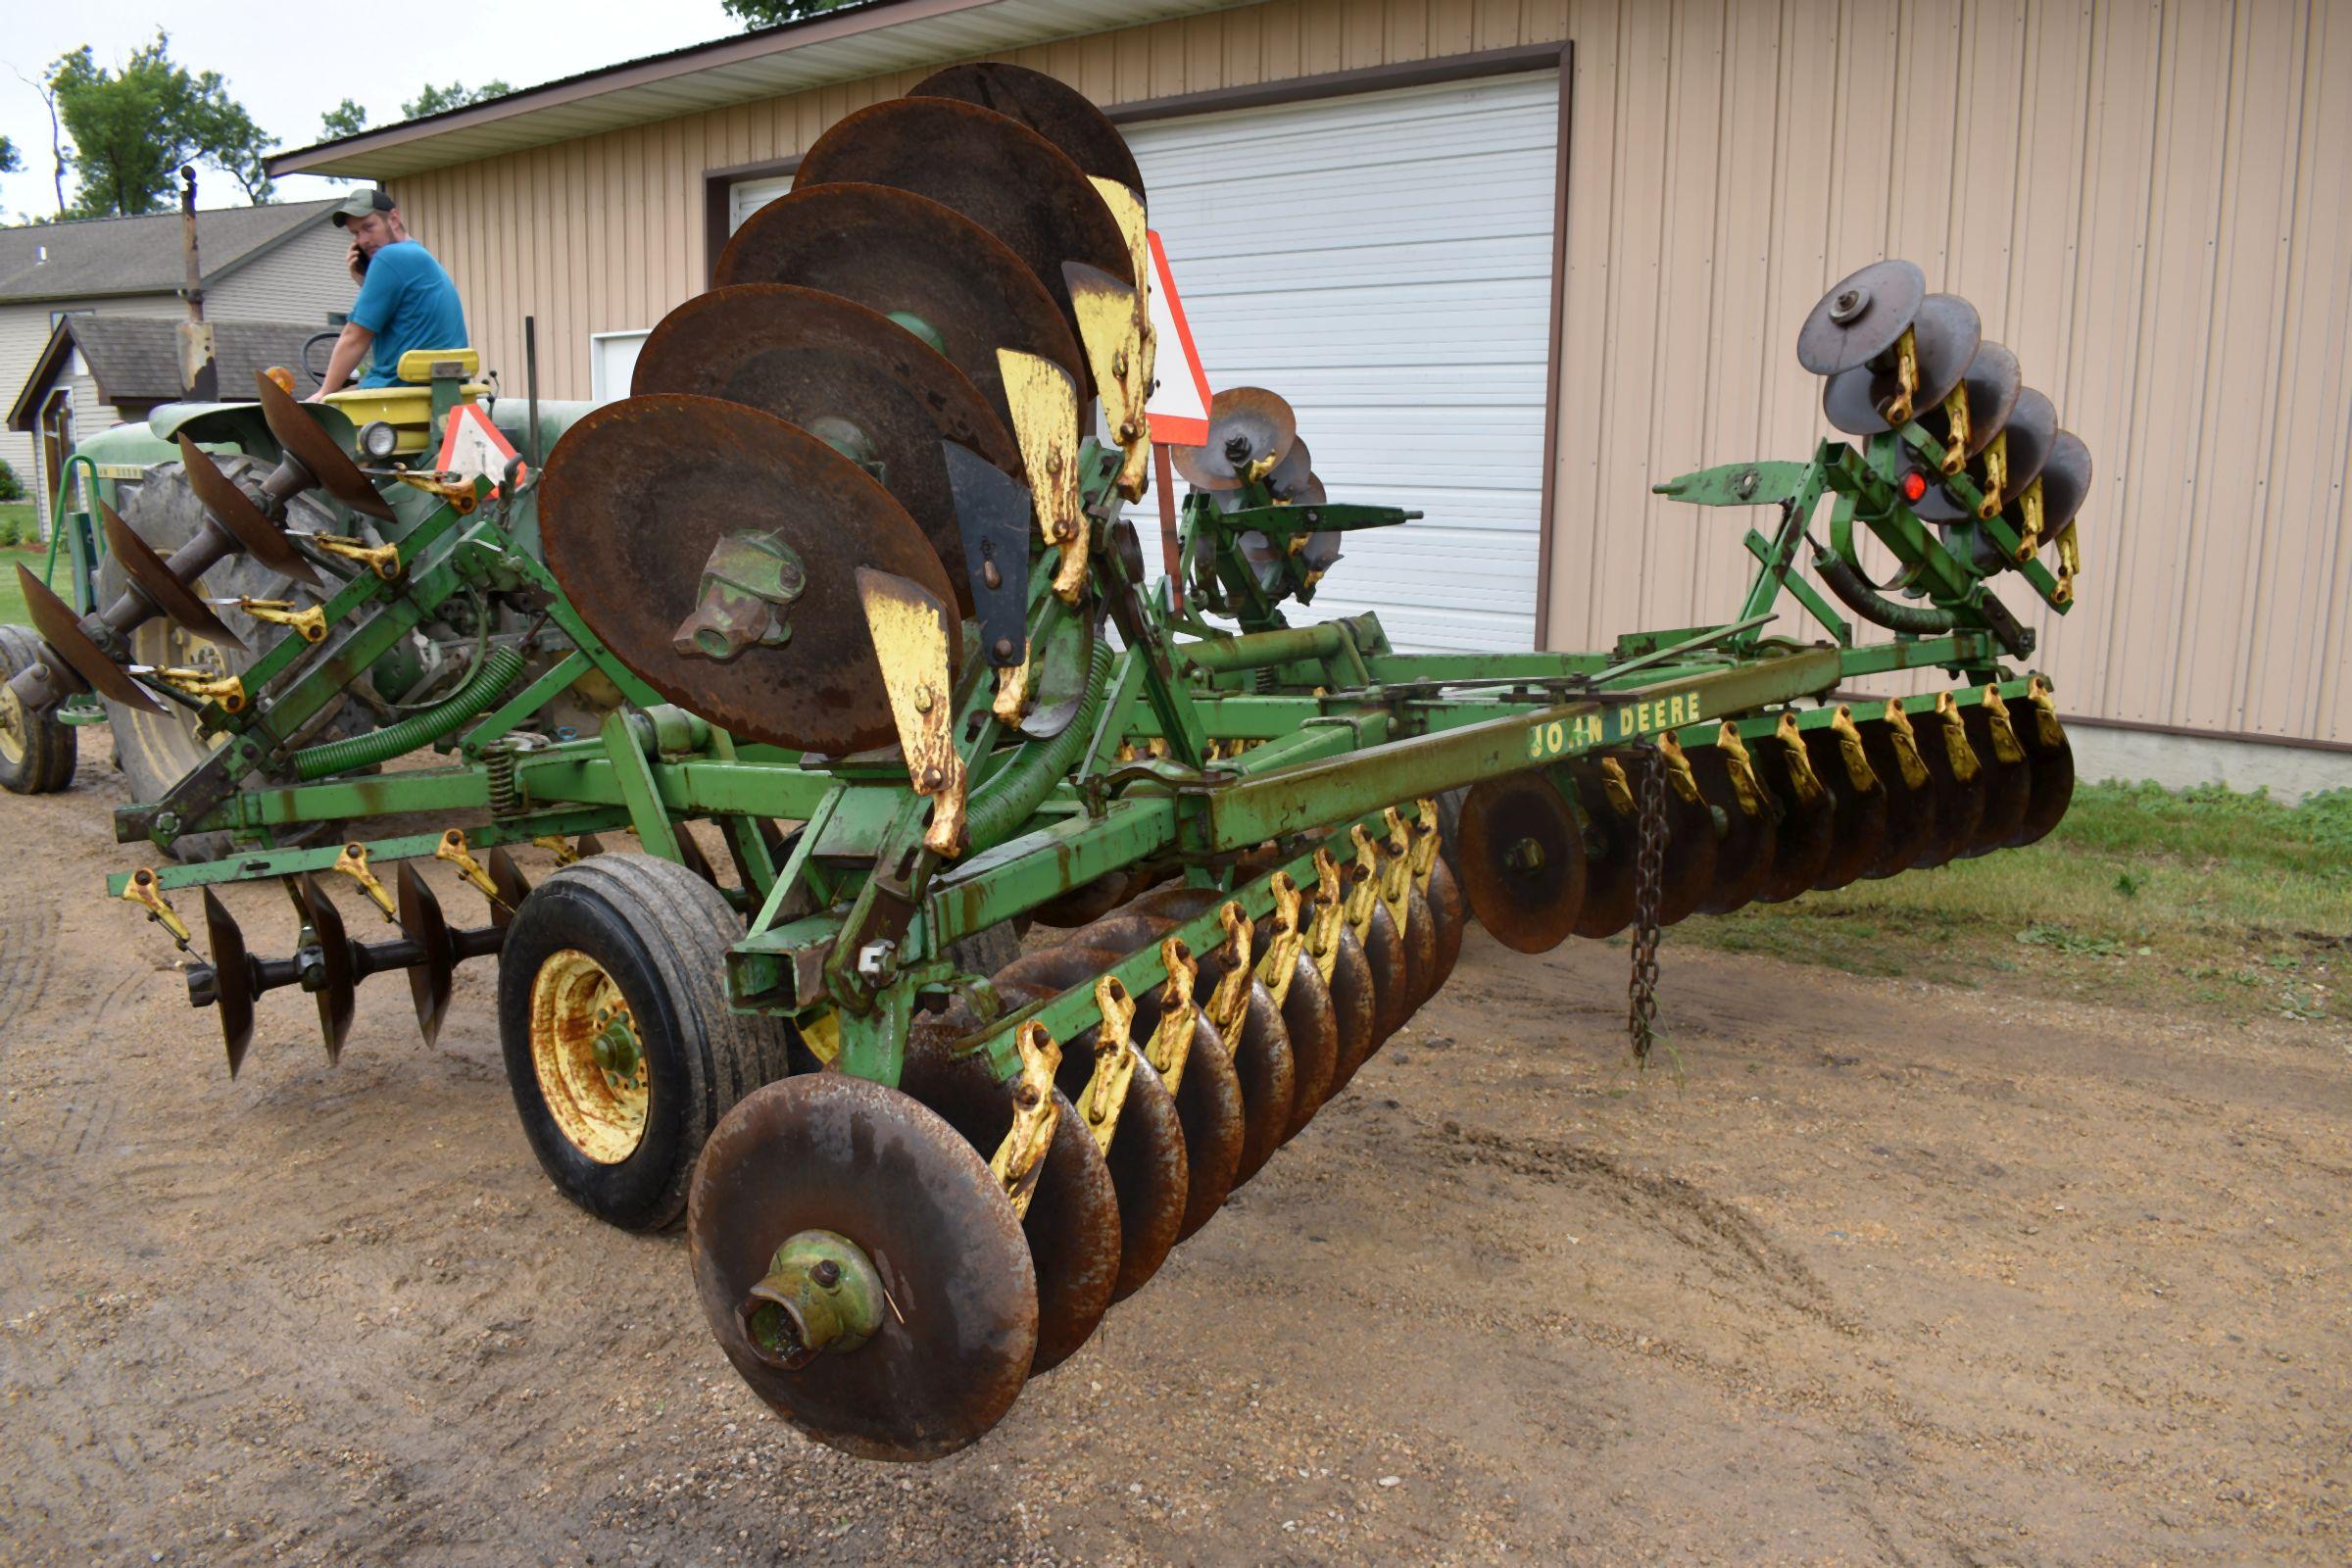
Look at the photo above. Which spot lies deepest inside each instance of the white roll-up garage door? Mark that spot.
(1383, 261)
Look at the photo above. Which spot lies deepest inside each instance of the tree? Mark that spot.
(134, 127)
(457, 96)
(771, 12)
(346, 119)
(10, 160)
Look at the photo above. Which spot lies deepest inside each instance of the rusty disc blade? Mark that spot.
(2008, 786)
(1523, 861)
(2053, 789)
(1072, 1225)
(849, 375)
(925, 266)
(227, 503)
(1047, 104)
(2065, 481)
(1690, 847)
(1611, 842)
(1312, 1026)
(1959, 801)
(1354, 1005)
(60, 629)
(1861, 317)
(232, 979)
(643, 499)
(1268, 1073)
(1806, 835)
(1420, 950)
(513, 888)
(1084, 903)
(829, 1151)
(1289, 477)
(431, 977)
(1746, 844)
(1858, 816)
(1912, 820)
(1210, 1110)
(1385, 957)
(1451, 914)
(1247, 424)
(337, 985)
(1945, 336)
(173, 598)
(993, 169)
(307, 442)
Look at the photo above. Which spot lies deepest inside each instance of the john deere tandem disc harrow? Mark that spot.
(850, 575)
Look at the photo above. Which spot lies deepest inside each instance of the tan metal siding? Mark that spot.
(2147, 200)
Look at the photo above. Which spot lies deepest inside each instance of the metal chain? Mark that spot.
(1649, 872)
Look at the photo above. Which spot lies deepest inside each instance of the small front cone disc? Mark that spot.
(173, 598)
(1861, 317)
(1523, 861)
(995, 170)
(849, 375)
(60, 629)
(1247, 424)
(1610, 844)
(1944, 337)
(230, 507)
(2053, 788)
(829, 1151)
(307, 442)
(1912, 821)
(639, 495)
(912, 259)
(1047, 104)
(1354, 1006)
(1073, 1221)
(232, 979)
(2008, 786)
(1746, 845)
(1806, 835)
(1859, 818)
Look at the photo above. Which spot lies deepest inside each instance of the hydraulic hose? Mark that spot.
(1850, 586)
(1007, 800)
(492, 676)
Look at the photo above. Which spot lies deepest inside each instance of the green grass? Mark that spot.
(2204, 902)
(12, 598)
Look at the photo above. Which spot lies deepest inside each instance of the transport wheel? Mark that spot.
(36, 751)
(619, 1046)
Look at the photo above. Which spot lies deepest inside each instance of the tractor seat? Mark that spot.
(445, 377)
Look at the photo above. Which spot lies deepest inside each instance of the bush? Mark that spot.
(12, 488)
(9, 530)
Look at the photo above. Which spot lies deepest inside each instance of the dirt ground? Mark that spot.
(1890, 1273)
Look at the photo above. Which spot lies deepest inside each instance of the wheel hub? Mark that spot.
(589, 1060)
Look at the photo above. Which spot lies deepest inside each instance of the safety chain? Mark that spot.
(1649, 871)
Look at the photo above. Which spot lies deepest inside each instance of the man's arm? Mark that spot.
(350, 349)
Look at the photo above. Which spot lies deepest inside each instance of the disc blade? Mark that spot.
(1290, 476)
(513, 889)
(1807, 832)
(1860, 812)
(1945, 336)
(2033, 430)
(1911, 810)
(1689, 876)
(1072, 1226)
(1313, 1027)
(1959, 797)
(1055, 109)
(846, 373)
(925, 266)
(60, 629)
(1860, 318)
(1246, 425)
(1385, 957)
(175, 599)
(1210, 1112)
(307, 442)
(829, 1151)
(993, 520)
(1355, 1006)
(2008, 785)
(232, 979)
(1269, 1073)
(1451, 914)
(1992, 384)
(2053, 789)
(995, 172)
(336, 991)
(2065, 481)
(1523, 861)
(234, 511)
(431, 976)
(1747, 842)
(660, 516)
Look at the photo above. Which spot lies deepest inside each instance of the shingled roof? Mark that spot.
(136, 358)
(93, 258)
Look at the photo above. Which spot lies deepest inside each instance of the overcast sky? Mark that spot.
(290, 61)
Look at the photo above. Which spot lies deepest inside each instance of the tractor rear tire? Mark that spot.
(658, 935)
(37, 751)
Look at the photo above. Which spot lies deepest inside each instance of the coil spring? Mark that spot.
(505, 790)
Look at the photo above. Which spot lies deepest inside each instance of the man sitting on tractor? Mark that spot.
(406, 300)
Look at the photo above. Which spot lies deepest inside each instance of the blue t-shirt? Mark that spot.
(409, 302)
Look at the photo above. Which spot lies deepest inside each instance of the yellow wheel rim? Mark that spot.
(592, 1069)
(11, 725)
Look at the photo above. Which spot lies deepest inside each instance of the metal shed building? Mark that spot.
(1516, 260)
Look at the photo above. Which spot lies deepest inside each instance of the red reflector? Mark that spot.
(1915, 485)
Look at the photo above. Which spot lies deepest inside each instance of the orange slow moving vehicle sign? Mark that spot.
(471, 446)
(1177, 411)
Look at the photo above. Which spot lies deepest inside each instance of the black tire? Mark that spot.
(662, 934)
(156, 750)
(36, 751)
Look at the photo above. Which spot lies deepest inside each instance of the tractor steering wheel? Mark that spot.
(318, 373)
